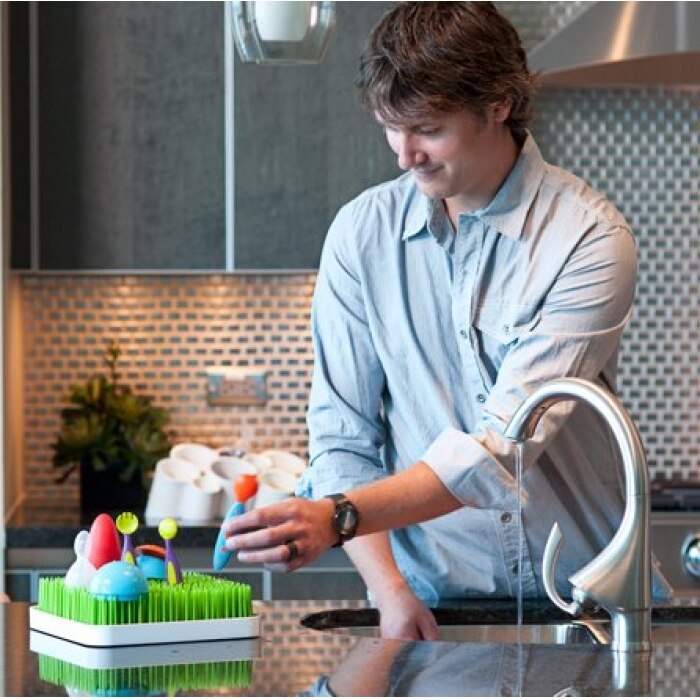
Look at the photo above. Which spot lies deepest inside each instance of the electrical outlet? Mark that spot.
(236, 386)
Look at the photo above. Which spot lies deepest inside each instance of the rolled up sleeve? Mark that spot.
(576, 334)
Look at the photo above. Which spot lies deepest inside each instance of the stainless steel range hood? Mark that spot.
(624, 43)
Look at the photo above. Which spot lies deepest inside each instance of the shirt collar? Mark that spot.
(506, 212)
(425, 214)
(418, 212)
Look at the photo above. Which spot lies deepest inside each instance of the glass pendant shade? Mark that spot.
(275, 31)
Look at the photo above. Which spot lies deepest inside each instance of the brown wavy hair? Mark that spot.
(426, 57)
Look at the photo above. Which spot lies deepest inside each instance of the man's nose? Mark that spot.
(409, 155)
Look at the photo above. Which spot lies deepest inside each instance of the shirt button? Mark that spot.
(506, 518)
(463, 333)
(506, 329)
(480, 398)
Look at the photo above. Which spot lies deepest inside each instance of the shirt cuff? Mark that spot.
(469, 471)
(336, 472)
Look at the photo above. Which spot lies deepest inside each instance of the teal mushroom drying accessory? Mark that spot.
(245, 486)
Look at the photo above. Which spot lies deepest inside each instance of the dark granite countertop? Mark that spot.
(55, 523)
(290, 659)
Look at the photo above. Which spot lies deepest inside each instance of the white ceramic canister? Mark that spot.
(169, 480)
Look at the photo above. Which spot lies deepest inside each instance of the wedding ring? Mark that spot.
(293, 550)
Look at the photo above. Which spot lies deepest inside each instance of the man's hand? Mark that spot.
(403, 616)
(286, 535)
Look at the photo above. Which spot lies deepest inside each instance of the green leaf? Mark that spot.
(98, 464)
(109, 427)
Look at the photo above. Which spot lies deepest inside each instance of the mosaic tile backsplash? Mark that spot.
(641, 147)
(170, 330)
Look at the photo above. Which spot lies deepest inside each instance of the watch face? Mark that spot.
(346, 519)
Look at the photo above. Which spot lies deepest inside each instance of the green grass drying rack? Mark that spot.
(202, 608)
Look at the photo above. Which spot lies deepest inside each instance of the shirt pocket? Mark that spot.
(498, 327)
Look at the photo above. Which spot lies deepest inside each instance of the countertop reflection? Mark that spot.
(290, 659)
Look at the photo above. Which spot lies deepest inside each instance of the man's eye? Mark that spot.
(427, 130)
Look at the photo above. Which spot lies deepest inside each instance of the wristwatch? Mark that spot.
(345, 518)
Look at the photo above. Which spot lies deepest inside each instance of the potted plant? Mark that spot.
(114, 436)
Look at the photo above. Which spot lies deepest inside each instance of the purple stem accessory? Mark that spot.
(128, 551)
(172, 565)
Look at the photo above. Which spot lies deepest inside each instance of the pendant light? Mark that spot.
(277, 31)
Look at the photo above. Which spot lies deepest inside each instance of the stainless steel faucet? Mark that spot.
(619, 578)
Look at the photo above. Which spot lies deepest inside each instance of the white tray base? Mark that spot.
(143, 633)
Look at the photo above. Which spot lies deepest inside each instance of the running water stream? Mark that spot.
(519, 591)
(521, 533)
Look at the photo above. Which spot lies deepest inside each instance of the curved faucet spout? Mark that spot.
(619, 578)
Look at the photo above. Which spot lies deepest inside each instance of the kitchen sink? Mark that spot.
(459, 625)
(571, 633)
(541, 626)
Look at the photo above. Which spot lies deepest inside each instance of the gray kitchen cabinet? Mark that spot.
(128, 135)
(303, 147)
(16, 43)
(129, 141)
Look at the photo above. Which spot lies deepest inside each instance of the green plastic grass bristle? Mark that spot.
(198, 597)
(148, 679)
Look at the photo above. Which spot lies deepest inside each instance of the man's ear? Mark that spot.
(501, 110)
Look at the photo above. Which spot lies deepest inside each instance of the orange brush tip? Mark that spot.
(151, 550)
(245, 486)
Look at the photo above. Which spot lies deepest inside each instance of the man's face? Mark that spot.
(450, 154)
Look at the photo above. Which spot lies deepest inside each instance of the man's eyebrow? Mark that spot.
(393, 124)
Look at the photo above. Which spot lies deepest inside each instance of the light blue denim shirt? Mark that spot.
(427, 340)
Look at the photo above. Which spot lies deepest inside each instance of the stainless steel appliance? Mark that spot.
(675, 533)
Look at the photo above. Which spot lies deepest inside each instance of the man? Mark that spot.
(444, 298)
